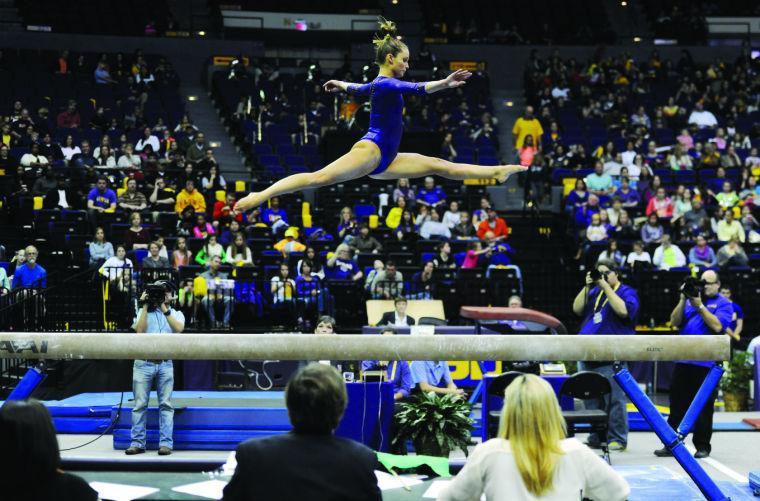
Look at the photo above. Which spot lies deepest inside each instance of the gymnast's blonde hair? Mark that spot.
(386, 41)
(532, 422)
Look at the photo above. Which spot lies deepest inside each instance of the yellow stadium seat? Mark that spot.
(221, 195)
(373, 221)
(37, 203)
(306, 218)
(568, 184)
(124, 182)
(305, 208)
(240, 186)
(737, 212)
(120, 192)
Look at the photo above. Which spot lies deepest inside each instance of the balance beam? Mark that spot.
(105, 346)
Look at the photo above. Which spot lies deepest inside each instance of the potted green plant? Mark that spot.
(735, 382)
(436, 424)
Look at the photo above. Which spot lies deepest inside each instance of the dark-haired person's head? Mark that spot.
(325, 325)
(29, 443)
(316, 399)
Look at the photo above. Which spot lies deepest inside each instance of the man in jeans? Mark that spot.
(154, 319)
(608, 307)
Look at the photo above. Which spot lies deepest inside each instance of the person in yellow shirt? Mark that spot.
(190, 196)
(289, 243)
(527, 125)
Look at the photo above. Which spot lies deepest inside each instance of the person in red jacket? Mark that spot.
(660, 204)
(494, 224)
(223, 210)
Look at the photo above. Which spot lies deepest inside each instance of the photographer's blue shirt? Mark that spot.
(158, 323)
(599, 317)
(738, 314)
(695, 326)
(398, 373)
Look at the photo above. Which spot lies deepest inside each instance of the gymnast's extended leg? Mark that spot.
(416, 165)
(362, 159)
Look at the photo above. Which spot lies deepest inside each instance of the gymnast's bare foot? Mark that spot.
(247, 203)
(508, 170)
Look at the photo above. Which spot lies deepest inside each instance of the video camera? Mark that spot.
(693, 287)
(156, 293)
(597, 275)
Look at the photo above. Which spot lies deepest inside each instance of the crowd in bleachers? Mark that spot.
(658, 159)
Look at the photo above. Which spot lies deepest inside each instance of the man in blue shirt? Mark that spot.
(430, 195)
(434, 376)
(608, 307)
(100, 199)
(737, 320)
(397, 371)
(708, 313)
(30, 275)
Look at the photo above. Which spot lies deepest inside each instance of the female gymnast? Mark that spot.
(376, 153)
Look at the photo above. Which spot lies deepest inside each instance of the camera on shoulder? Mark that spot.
(693, 287)
(156, 293)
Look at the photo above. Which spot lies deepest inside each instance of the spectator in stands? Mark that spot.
(377, 267)
(430, 195)
(522, 463)
(577, 198)
(448, 152)
(62, 196)
(8, 163)
(682, 203)
(730, 159)
(527, 125)
(423, 215)
(340, 266)
(50, 149)
(451, 216)
(197, 150)
(100, 199)
(33, 160)
(481, 214)
(102, 75)
(652, 232)
(203, 228)
(34, 473)
(695, 218)
(667, 255)
(136, 236)
(599, 183)
(685, 140)
(162, 198)
(128, 159)
(463, 229)
(679, 159)
(612, 254)
(397, 317)
(731, 254)
(153, 260)
(105, 158)
(132, 199)
(749, 223)
(496, 225)
(310, 461)
(474, 251)
(528, 151)
(404, 190)
(393, 218)
(702, 254)
(710, 158)
(118, 269)
(181, 255)
(190, 196)
(213, 181)
(406, 230)
(69, 119)
(217, 292)
(222, 213)
(727, 198)
(308, 291)
(283, 288)
(289, 243)
(729, 228)
(211, 248)
(45, 183)
(443, 258)
(365, 243)
(737, 319)
(624, 229)
(147, 139)
(434, 228)
(701, 117)
(388, 283)
(275, 217)
(753, 160)
(100, 250)
(660, 204)
(29, 275)
(422, 284)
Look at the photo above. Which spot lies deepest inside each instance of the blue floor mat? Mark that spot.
(655, 483)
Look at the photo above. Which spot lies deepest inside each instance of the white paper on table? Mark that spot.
(211, 489)
(228, 469)
(121, 492)
(386, 481)
(436, 488)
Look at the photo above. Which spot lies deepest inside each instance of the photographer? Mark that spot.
(155, 317)
(700, 311)
(608, 307)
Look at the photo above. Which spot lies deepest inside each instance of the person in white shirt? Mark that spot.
(148, 138)
(33, 158)
(667, 255)
(434, 227)
(638, 255)
(613, 167)
(629, 154)
(701, 117)
(69, 148)
(452, 217)
(531, 459)
(129, 160)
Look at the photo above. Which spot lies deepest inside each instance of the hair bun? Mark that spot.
(386, 27)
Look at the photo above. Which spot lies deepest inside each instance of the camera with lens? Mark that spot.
(596, 275)
(156, 293)
(693, 287)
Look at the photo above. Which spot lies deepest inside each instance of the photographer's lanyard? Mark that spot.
(393, 370)
(597, 308)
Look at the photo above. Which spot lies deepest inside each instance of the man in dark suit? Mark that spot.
(397, 318)
(309, 462)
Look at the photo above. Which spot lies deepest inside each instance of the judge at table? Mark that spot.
(398, 317)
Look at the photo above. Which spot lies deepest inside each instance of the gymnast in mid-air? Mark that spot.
(376, 153)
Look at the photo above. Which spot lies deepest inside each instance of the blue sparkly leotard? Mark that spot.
(386, 106)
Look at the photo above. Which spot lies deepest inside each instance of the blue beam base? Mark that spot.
(700, 399)
(672, 441)
(31, 380)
